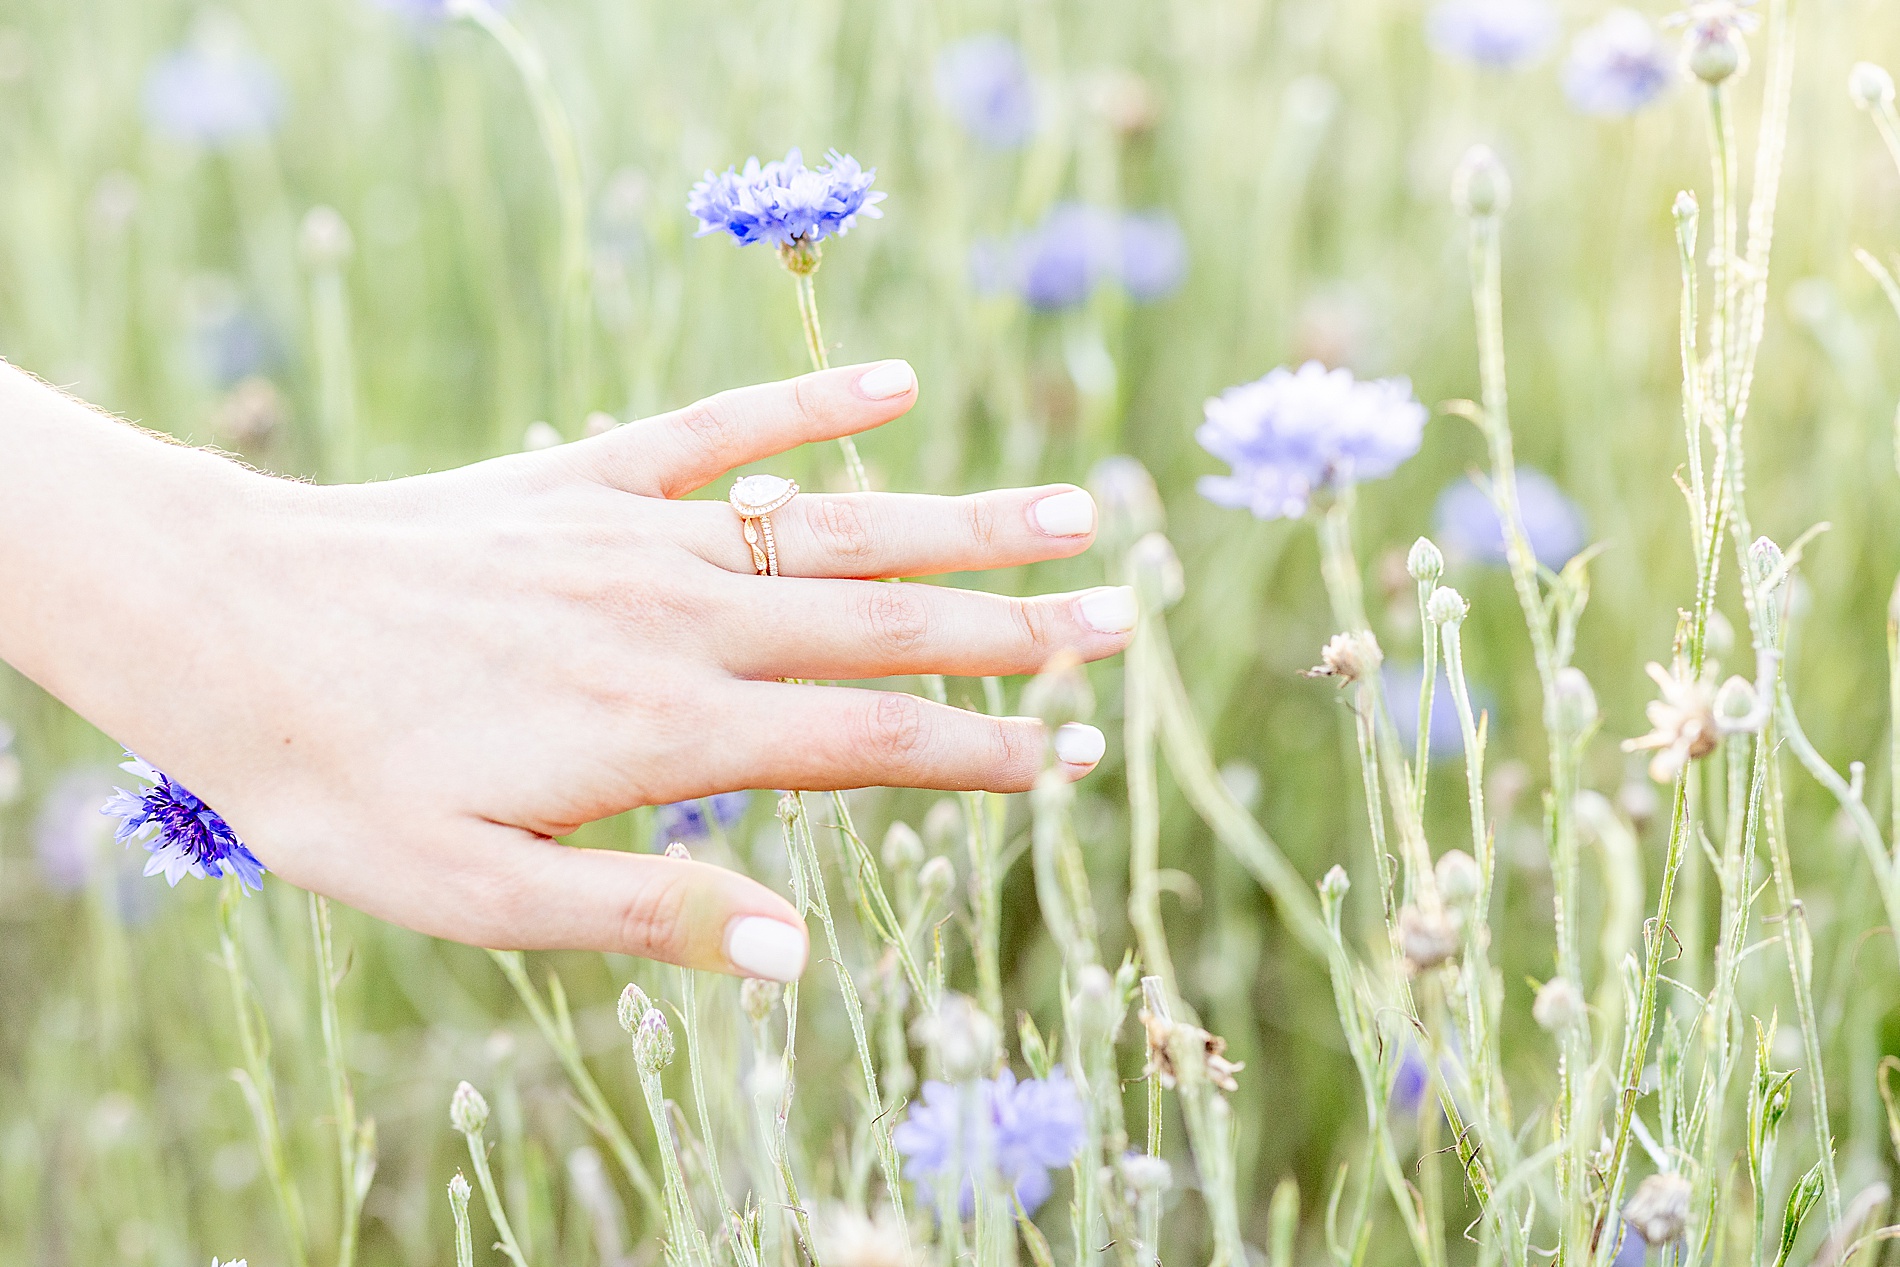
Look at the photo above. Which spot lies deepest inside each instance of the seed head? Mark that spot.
(962, 1036)
(1348, 657)
(1446, 606)
(1576, 702)
(1169, 1042)
(903, 847)
(936, 878)
(1659, 1209)
(1682, 723)
(1870, 86)
(1146, 1176)
(653, 1042)
(633, 1005)
(757, 998)
(1559, 1006)
(1458, 877)
(1480, 188)
(1426, 562)
(1428, 936)
(468, 1112)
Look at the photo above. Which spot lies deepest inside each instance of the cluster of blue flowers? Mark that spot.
(784, 202)
(1616, 66)
(1466, 524)
(1059, 263)
(1014, 1132)
(183, 835)
(985, 84)
(686, 821)
(1297, 432)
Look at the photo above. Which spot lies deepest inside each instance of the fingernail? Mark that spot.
(1110, 610)
(1078, 744)
(1070, 514)
(769, 948)
(887, 379)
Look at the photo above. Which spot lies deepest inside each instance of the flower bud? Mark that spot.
(1735, 704)
(1126, 493)
(943, 825)
(653, 1042)
(324, 240)
(633, 1005)
(1242, 781)
(757, 998)
(1446, 606)
(1870, 86)
(1426, 562)
(1157, 571)
(1659, 1209)
(1146, 1176)
(1686, 209)
(903, 847)
(962, 1036)
(936, 878)
(1098, 1004)
(1559, 1007)
(1715, 51)
(1766, 559)
(1335, 884)
(1480, 188)
(766, 1082)
(1427, 937)
(540, 435)
(468, 1112)
(459, 1192)
(1457, 876)
(1060, 693)
(1576, 702)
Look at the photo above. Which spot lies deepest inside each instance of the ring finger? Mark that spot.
(876, 535)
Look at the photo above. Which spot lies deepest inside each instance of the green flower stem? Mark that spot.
(485, 1178)
(356, 1142)
(684, 1235)
(336, 375)
(696, 1067)
(820, 360)
(458, 1208)
(254, 1079)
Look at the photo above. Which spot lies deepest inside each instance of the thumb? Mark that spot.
(657, 907)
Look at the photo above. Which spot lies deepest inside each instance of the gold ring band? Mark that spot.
(753, 498)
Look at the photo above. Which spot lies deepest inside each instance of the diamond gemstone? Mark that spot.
(755, 493)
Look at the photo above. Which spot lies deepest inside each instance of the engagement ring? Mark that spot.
(755, 497)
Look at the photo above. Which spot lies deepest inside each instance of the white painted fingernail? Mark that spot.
(1078, 744)
(769, 948)
(1070, 514)
(1110, 610)
(887, 379)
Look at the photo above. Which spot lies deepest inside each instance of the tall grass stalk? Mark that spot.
(356, 1140)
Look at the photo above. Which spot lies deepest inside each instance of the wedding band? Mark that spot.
(754, 498)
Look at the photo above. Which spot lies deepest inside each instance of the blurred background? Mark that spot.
(1099, 214)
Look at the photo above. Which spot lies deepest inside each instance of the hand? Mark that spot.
(399, 693)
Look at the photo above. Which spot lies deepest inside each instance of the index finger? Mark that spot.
(675, 453)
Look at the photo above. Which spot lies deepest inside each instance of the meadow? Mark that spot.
(1371, 940)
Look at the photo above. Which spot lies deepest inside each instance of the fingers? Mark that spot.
(533, 894)
(675, 453)
(825, 737)
(872, 535)
(796, 628)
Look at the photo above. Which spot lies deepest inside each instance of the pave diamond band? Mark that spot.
(753, 499)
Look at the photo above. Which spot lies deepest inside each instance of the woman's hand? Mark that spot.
(398, 693)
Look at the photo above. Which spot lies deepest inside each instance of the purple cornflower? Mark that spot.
(1153, 256)
(784, 202)
(985, 83)
(1444, 737)
(1632, 1251)
(67, 832)
(1016, 1131)
(213, 91)
(182, 833)
(686, 820)
(1617, 66)
(1468, 525)
(1298, 431)
(1500, 34)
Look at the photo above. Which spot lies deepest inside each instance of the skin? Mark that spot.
(398, 694)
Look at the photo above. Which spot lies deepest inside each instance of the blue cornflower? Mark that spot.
(182, 833)
(784, 202)
(1468, 526)
(213, 91)
(1501, 34)
(1444, 736)
(985, 83)
(1075, 248)
(686, 820)
(67, 832)
(1295, 432)
(1153, 255)
(1016, 1131)
(1618, 66)
(1633, 1250)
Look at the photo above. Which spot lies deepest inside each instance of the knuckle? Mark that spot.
(1015, 750)
(707, 425)
(980, 515)
(651, 920)
(810, 417)
(1033, 624)
(896, 731)
(895, 617)
(842, 528)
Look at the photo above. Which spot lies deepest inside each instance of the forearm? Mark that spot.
(86, 575)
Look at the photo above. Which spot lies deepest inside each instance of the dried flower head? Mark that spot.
(1348, 657)
(1559, 1006)
(183, 834)
(1659, 1208)
(844, 1236)
(1429, 935)
(1682, 723)
(1296, 432)
(757, 998)
(1170, 1042)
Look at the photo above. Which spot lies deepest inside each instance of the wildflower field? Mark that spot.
(1496, 855)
